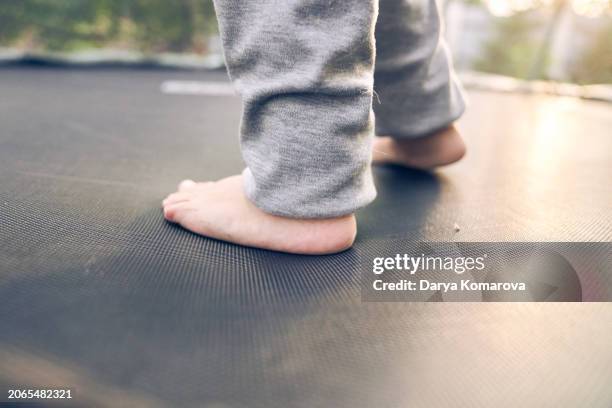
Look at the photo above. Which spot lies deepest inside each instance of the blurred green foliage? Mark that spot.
(595, 63)
(146, 25)
(153, 26)
(516, 50)
(512, 50)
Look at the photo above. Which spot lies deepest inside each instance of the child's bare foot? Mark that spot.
(220, 210)
(438, 149)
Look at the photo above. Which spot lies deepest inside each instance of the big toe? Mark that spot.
(169, 212)
(172, 212)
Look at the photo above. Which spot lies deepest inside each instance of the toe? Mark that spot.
(170, 212)
(175, 198)
(186, 185)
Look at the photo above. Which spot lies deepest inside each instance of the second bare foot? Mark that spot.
(437, 149)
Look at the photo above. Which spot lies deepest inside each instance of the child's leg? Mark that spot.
(419, 96)
(304, 69)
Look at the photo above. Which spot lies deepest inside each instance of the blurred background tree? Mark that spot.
(594, 65)
(145, 25)
(515, 44)
(512, 49)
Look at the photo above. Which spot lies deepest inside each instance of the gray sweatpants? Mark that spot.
(305, 71)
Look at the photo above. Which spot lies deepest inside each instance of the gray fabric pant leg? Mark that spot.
(304, 69)
(416, 88)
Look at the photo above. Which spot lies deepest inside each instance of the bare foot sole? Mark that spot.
(438, 149)
(220, 210)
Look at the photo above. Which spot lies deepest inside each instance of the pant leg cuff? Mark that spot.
(287, 201)
(440, 111)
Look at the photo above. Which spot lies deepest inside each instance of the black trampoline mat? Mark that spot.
(99, 293)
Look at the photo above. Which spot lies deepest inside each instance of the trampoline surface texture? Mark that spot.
(99, 293)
